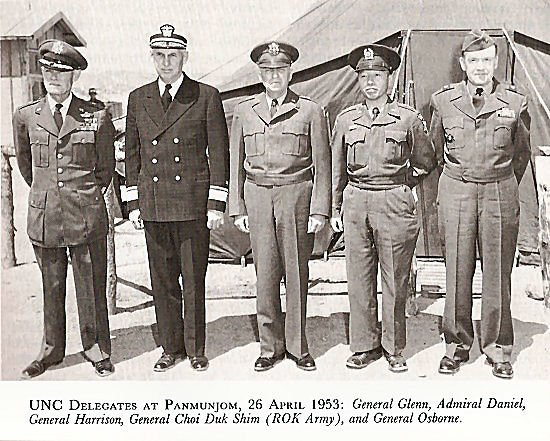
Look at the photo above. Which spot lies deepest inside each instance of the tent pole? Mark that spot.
(396, 78)
(527, 74)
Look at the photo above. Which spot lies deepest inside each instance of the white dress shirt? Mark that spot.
(175, 86)
(52, 103)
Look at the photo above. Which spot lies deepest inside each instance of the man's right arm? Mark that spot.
(22, 146)
(236, 168)
(437, 133)
(132, 154)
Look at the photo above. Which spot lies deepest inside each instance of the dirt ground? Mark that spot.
(232, 339)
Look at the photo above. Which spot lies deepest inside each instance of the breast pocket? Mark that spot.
(295, 138)
(254, 139)
(454, 132)
(357, 155)
(502, 136)
(83, 149)
(40, 148)
(396, 145)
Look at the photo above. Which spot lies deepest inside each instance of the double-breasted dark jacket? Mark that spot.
(179, 159)
(66, 170)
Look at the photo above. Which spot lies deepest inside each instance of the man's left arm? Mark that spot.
(320, 150)
(218, 152)
(105, 149)
(522, 144)
(423, 159)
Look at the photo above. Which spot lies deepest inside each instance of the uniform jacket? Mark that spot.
(179, 159)
(487, 147)
(392, 150)
(66, 171)
(289, 148)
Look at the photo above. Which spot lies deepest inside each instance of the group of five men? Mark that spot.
(282, 180)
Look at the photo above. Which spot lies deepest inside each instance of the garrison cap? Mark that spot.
(61, 56)
(167, 39)
(477, 40)
(374, 57)
(274, 54)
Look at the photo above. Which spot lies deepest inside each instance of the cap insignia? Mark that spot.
(368, 54)
(57, 47)
(273, 48)
(167, 30)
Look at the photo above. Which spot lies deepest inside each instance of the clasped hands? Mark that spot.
(315, 223)
(214, 219)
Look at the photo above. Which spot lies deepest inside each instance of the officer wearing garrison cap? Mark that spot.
(280, 193)
(177, 166)
(480, 129)
(65, 152)
(380, 150)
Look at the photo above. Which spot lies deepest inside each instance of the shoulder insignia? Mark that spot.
(445, 88)
(406, 106)
(513, 88)
(245, 99)
(349, 109)
(28, 104)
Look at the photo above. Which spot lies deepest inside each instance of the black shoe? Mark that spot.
(359, 360)
(167, 361)
(199, 363)
(266, 363)
(452, 365)
(501, 369)
(104, 367)
(306, 363)
(396, 363)
(37, 368)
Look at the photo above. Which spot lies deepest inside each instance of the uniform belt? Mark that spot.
(482, 175)
(269, 181)
(378, 182)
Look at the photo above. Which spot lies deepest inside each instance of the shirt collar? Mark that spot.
(175, 86)
(66, 104)
(280, 100)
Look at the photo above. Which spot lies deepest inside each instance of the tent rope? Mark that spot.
(527, 74)
(403, 49)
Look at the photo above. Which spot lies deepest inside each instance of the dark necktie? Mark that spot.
(166, 98)
(478, 99)
(57, 117)
(273, 109)
(375, 112)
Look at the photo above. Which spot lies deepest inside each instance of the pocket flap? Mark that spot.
(252, 129)
(396, 135)
(37, 198)
(83, 137)
(296, 128)
(89, 196)
(39, 137)
(355, 135)
(455, 121)
(502, 126)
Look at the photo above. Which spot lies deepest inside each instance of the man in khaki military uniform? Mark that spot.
(279, 191)
(65, 152)
(480, 129)
(380, 150)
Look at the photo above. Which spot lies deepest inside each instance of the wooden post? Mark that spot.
(8, 229)
(109, 197)
(542, 167)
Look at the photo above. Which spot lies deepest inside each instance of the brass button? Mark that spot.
(60, 184)
(155, 178)
(155, 142)
(176, 140)
(178, 177)
(59, 141)
(59, 170)
(177, 159)
(59, 156)
(154, 160)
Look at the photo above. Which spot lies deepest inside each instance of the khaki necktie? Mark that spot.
(273, 108)
(57, 117)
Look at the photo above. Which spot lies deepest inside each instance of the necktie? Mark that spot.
(273, 109)
(375, 112)
(166, 98)
(57, 117)
(478, 99)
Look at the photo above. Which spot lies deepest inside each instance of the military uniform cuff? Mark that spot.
(216, 205)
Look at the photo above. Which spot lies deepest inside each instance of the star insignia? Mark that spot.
(273, 48)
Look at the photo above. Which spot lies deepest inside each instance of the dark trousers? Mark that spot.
(486, 214)
(278, 217)
(380, 226)
(174, 249)
(89, 263)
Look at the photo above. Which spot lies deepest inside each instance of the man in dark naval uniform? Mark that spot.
(280, 193)
(65, 152)
(380, 151)
(177, 153)
(480, 129)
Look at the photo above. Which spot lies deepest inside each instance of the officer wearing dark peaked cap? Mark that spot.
(280, 193)
(480, 129)
(65, 152)
(380, 150)
(176, 174)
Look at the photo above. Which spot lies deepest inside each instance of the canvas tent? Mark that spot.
(429, 34)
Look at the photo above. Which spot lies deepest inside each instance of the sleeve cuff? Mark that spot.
(219, 194)
(130, 194)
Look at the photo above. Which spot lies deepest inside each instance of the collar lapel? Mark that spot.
(463, 101)
(260, 107)
(73, 119)
(494, 101)
(289, 104)
(45, 117)
(185, 97)
(363, 118)
(388, 115)
(153, 106)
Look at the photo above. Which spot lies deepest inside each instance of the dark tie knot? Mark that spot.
(375, 112)
(479, 91)
(58, 107)
(168, 86)
(274, 103)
